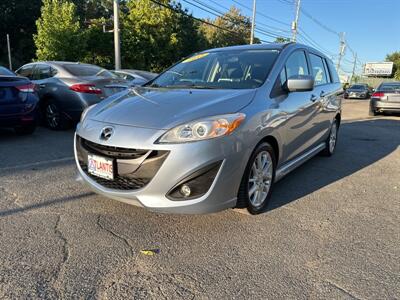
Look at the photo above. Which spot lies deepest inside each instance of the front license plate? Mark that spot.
(101, 167)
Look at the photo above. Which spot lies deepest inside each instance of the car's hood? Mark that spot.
(166, 108)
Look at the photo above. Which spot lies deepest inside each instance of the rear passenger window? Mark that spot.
(41, 72)
(318, 68)
(26, 71)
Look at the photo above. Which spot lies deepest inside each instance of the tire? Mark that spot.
(25, 130)
(255, 189)
(331, 141)
(53, 117)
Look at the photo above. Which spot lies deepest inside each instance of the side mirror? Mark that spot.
(300, 83)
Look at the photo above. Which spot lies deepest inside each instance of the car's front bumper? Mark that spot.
(181, 162)
(382, 106)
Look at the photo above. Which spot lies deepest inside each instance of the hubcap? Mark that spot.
(260, 178)
(332, 137)
(52, 115)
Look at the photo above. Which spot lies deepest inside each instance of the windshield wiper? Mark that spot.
(153, 85)
(191, 86)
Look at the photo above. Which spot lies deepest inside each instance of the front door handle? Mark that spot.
(42, 85)
(313, 98)
(323, 94)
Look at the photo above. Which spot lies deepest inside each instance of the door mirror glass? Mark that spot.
(300, 83)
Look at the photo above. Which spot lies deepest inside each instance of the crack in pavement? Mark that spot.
(126, 242)
(66, 255)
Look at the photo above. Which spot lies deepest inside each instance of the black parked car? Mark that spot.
(358, 91)
(18, 102)
(67, 88)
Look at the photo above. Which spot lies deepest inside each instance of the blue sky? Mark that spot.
(372, 27)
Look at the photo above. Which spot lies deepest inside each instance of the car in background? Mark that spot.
(386, 98)
(358, 91)
(135, 77)
(214, 131)
(18, 102)
(67, 88)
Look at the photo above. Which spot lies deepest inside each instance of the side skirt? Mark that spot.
(298, 161)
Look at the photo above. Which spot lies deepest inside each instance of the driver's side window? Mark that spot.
(296, 64)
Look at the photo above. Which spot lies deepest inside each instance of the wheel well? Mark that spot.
(338, 117)
(274, 144)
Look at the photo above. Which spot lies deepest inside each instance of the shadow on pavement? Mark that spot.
(61, 200)
(360, 144)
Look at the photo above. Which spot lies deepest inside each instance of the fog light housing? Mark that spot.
(195, 185)
(185, 190)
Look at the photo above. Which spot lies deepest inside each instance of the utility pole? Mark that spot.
(342, 49)
(117, 44)
(354, 67)
(295, 23)
(9, 52)
(253, 23)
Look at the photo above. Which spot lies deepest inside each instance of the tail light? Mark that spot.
(27, 88)
(378, 95)
(85, 88)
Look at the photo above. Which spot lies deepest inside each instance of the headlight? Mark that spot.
(86, 110)
(203, 129)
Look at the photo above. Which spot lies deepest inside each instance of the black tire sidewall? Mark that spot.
(244, 187)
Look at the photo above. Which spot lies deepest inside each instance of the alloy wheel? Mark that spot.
(52, 115)
(260, 178)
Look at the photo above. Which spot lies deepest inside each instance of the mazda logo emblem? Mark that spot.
(106, 133)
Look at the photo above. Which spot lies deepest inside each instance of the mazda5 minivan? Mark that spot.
(214, 131)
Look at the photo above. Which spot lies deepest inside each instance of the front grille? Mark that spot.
(114, 152)
(134, 167)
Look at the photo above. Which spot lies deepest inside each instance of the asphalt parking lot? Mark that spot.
(332, 229)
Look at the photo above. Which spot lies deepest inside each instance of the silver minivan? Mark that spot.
(214, 131)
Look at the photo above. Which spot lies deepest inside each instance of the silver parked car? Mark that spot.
(214, 131)
(135, 77)
(386, 98)
(67, 88)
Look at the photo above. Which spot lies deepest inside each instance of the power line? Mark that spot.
(227, 18)
(261, 14)
(277, 29)
(192, 17)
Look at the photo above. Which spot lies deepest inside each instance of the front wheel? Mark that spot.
(258, 180)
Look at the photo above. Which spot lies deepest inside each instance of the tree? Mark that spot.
(18, 20)
(59, 36)
(154, 36)
(232, 28)
(395, 58)
(99, 46)
(282, 40)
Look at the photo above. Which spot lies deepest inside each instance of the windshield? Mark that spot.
(390, 87)
(358, 87)
(234, 69)
(88, 70)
